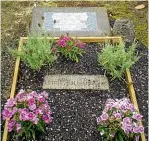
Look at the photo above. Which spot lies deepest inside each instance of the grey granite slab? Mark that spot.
(96, 82)
(84, 21)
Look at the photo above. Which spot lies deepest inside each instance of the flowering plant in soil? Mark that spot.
(120, 121)
(27, 113)
(70, 48)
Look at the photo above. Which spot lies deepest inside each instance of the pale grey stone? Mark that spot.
(97, 82)
(84, 21)
(124, 28)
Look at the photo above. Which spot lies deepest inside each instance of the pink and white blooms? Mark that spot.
(120, 120)
(29, 108)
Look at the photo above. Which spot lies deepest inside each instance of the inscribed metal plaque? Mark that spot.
(97, 82)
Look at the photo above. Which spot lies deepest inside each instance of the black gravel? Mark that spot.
(74, 111)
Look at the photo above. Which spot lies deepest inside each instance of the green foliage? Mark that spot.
(36, 52)
(115, 59)
(73, 54)
(30, 130)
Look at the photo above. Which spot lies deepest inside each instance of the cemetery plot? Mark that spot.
(74, 111)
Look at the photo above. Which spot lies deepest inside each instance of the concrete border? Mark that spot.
(84, 39)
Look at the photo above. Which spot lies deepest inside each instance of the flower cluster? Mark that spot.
(27, 108)
(65, 40)
(70, 47)
(120, 119)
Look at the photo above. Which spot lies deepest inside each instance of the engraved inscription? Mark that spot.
(81, 21)
(98, 82)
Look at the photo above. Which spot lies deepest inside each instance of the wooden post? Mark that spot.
(133, 97)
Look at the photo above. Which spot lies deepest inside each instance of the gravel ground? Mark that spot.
(74, 111)
(140, 78)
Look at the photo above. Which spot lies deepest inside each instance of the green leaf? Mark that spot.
(39, 126)
(120, 137)
(33, 133)
(115, 60)
(34, 53)
(77, 60)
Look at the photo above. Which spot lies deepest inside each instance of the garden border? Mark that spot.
(84, 39)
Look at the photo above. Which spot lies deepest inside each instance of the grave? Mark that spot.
(96, 82)
(82, 22)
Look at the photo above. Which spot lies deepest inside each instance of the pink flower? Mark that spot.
(82, 45)
(127, 128)
(31, 101)
(107, 108)
(18, 127)
(7, 113)
(23, 110)
(35, 120)
(117, 115)
(123, 108)
(99, 119)
(14, 110)
(62, 43)
(23, 116)
(104, 116)
(46, 119)
(126, 113)
(110, 101)
(11, 124)
(45, 94)
(116, 104)
(138, 129)
(141, 129)
(25, 107)
(31, 115)
(21, 97)
(38, 111)
(32, 107)
(10, 102)
(66, 38)
(137, 117)
(41, 99)
(49, 112)
(45, 108)
(131, 107)
(127, 121)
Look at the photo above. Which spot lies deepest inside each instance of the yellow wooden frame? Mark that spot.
(84, 39)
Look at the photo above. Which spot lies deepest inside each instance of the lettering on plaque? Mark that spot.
(80, 21)
(97, 82)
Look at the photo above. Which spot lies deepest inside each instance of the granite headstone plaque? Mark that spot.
(75, 21)
(96, 82)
